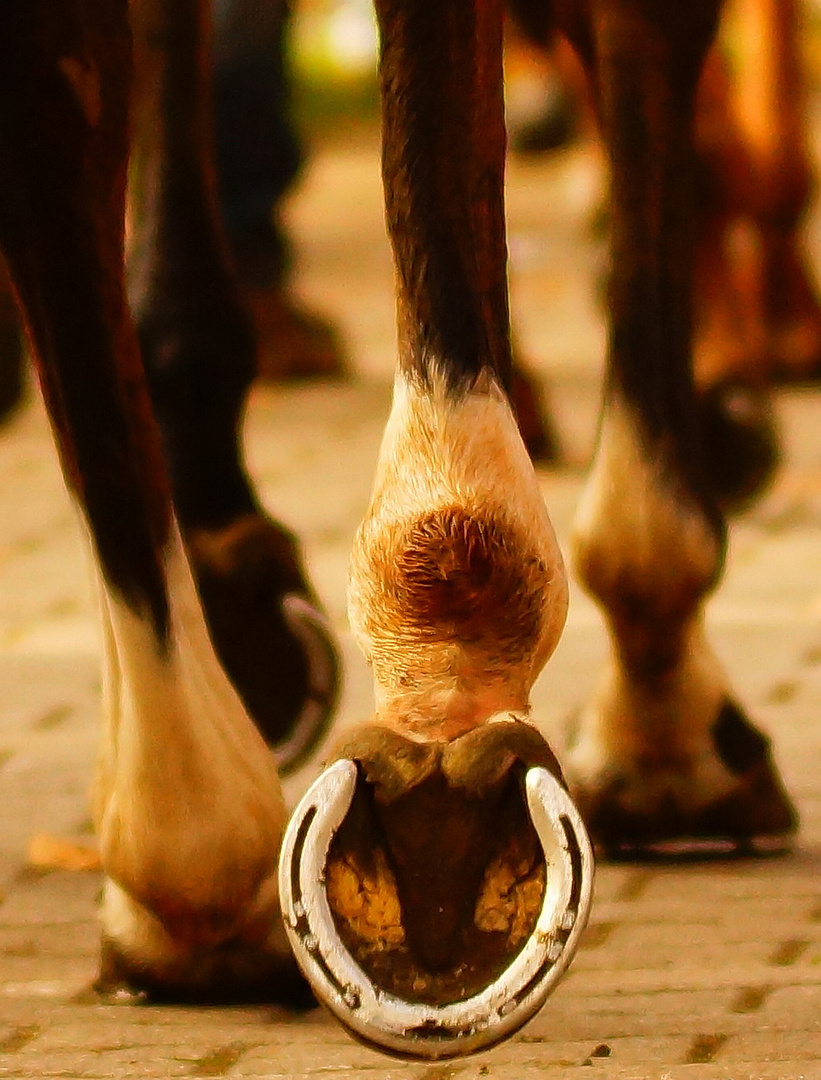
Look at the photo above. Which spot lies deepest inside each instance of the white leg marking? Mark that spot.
(633, 516)
(443, 452)
(646, 551)
(656, 739)
(187, 802)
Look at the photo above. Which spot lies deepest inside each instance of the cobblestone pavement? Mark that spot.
(701, 971)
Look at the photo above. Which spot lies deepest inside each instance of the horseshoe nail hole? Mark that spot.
(781, 693)
(750, 999)
(704, 1048)
(789, 952)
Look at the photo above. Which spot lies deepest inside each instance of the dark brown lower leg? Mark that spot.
(663, 752)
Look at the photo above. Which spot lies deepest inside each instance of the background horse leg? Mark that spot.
(663, 753)
(199, 352)
(187, 802)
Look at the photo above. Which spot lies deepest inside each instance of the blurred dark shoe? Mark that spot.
(533, 416)
(293, 342)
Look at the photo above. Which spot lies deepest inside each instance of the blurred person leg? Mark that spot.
(258, 155)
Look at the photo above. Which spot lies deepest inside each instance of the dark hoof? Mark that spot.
(796, 359)
(270, 636)
(434, 894)
(231, 975)
(742, 449)
(554, 128)
(533, 418)
(310, 627)
(293, 342)
(754, 816)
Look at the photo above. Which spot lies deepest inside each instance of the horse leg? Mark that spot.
(758, 317)
(663, 753)
(420, 897)
(741, 444)
(770, 105)
(187, 801)
(753, 140)
(199, 352)
(258, 155)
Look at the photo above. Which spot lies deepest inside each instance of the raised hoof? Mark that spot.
(742, 449)
(270, 636)
(795, 355)
(434, 894)
(231, 975)
(554, 127)
(752, 816)
(293, 342)
(531, 414)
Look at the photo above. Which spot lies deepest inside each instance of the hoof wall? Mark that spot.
(755, 817)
